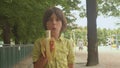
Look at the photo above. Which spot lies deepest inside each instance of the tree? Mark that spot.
(92, 33)
(6, 29)
(109, 7)
(105, 7)
(23, 18)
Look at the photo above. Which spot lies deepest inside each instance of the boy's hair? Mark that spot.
(59, 15)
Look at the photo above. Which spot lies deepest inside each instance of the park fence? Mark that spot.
(11, 55)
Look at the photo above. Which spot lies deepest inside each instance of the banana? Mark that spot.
(48, 46)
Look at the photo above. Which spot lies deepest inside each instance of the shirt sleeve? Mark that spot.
(71, 55)
(36, 51)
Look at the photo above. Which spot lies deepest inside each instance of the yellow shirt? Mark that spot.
(64, 53)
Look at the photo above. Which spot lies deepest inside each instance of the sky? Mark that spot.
(102, 21)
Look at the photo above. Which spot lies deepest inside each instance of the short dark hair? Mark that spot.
(58, 13)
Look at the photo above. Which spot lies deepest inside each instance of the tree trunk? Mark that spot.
(92, 33)
(15, 32)
(6, 33)
(6, 29)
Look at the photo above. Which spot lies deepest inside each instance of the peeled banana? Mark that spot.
(48, 46)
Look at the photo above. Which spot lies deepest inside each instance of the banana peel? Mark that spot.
(48, 48)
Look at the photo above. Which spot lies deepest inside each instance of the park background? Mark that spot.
(21, 25)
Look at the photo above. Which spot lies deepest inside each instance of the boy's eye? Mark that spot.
(50, 19)
(54, 19)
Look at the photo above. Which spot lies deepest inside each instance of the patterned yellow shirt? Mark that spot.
(64, 53)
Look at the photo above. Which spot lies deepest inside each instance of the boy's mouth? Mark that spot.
(53, 29)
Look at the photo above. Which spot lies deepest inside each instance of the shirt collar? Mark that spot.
(61, 38)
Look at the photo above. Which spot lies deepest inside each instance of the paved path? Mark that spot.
(25, 63)
(108, 58)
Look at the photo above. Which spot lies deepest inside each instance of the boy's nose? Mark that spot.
(54, 22)
(54, 25)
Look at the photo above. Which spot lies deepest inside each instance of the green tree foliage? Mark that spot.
(104, 7)
(25, 17)
(109, 7)
(103, 34)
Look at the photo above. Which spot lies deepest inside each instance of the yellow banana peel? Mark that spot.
(46, 47)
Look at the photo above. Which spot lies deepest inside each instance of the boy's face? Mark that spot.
(54, 24)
